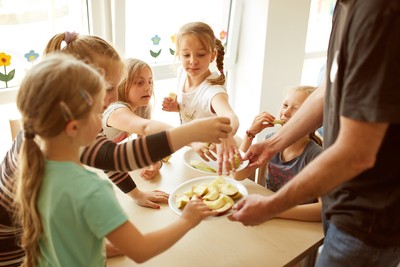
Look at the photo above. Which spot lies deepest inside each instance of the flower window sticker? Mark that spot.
(173, 37)
(223, 37)
(156, 41)
(31, 56)
(5, 60)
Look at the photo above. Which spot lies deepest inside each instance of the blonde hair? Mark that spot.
(60, 85)
(89, 48)
(134, 67)
(308, 90)
(204, 33)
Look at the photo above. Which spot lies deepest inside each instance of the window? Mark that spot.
(319, 29)
(26, 26)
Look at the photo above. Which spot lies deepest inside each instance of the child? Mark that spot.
(131, 114)
(61, 101)
(286, 164)
(104, 154)
(200, 92)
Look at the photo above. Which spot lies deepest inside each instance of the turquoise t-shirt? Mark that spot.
(78, 209)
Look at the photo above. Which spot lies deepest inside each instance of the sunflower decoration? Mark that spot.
(5, 60)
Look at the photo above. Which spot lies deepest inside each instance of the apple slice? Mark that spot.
(215, 204)
(224, 209)
(229, 189)
(181, 201)
(212, 193)
(200, 190)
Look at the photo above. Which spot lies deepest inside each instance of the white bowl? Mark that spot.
(187, 186)
(190, 154)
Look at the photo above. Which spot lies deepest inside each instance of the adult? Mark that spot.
(358, 174)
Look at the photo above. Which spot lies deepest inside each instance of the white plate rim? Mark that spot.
(203, 179)
(188, 155)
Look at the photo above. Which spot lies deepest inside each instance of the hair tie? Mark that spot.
(29, 135)
(69, 37)
(221, 70)
(28, 132)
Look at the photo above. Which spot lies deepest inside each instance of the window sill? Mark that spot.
(8, 95)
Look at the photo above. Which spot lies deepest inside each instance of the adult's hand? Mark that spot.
(259, 154)
(252, 210)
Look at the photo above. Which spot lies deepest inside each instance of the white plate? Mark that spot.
(190, 154)
(186, 186)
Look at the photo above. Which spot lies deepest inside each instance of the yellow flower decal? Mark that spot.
(5, 60)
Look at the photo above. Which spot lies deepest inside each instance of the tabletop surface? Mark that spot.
(217, 241)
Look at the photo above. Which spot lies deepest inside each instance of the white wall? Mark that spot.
(270, 56)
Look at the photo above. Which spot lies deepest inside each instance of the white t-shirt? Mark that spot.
(197, 103)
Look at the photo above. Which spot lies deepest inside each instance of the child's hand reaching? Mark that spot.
(170, 103)
(149, 199)
(151, 171)
(226, 152)
(195, 211)
(204, 150)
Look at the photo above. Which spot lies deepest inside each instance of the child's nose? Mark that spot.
(192, 60)
(287, 112)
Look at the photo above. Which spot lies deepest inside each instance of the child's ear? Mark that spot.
(213, 55)
(71, 129)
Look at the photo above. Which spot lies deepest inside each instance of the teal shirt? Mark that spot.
(78, 209)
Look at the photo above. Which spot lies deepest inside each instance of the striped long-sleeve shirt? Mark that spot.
(115, 159)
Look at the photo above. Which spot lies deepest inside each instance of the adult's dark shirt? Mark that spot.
(364, 49)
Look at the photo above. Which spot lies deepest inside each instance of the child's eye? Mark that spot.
(185, 55)
(201, 55)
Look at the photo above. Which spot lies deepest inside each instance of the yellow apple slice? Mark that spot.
(172, 96)
(181, 201)
(200, 189)
(278, 122)
(201, 166)
(215, 204)
(212, 193)
(229, 189)
(224, 209)
(237, 196)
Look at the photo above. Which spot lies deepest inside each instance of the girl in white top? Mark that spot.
(132, 113)
(202, 93)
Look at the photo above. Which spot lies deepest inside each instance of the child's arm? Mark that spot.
(141, 248)
(106, 155)
(228, 147)
(260, 122)
(125, 120)
(307, 212)
(243, 174)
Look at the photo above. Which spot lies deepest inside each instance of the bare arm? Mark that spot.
(349, 153)
(140, 248)
(221, 106)
(125, 120)
(307, 212)
(201, 130)
(228, 147)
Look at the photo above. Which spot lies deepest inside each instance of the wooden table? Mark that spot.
(219, 242)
